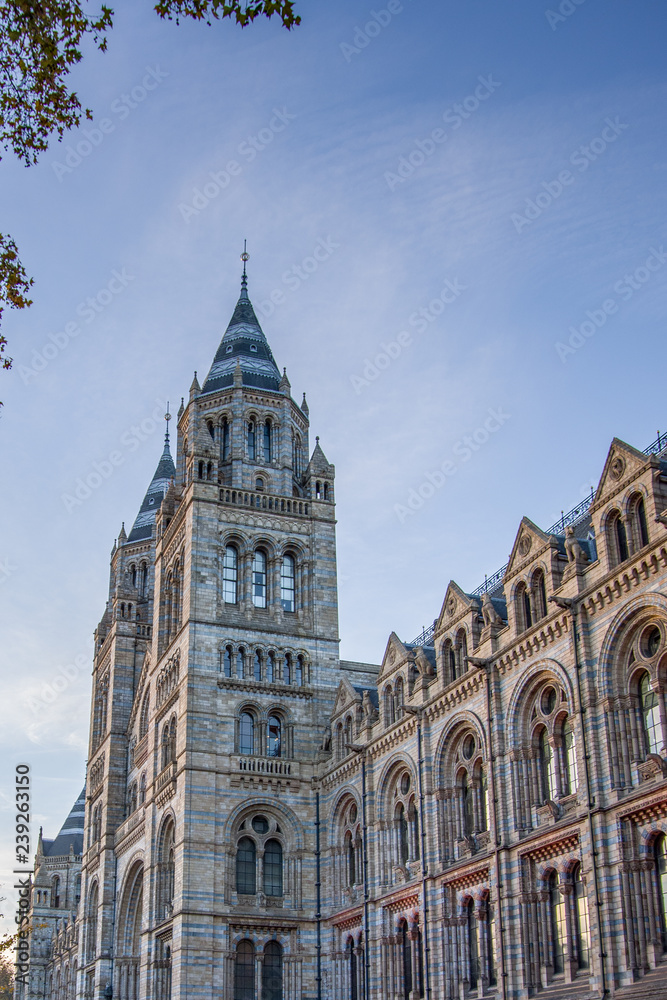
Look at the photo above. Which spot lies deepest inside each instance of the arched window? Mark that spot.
(90, 947)
(299, 670)
(352, 966)
(272, 972)
(449, 658)
(557, 918)
(351, 860)
(473, 943)
(244, 971)
(143, 718)
(523, 609)
(581, 929)
(569, 758)
(227, 661)
(172, 738)
(77, 890)
(132, 798)
(273, 868)
(640, 525)
(165, 746)
(142, 789)
(650, 711)
(240, 663)
(660, 855)
(259, 579)
(287, 669)
(267, 441)
(539, 595)
(211, 429)
(468, 808)
(547, 766)
(251, 441)
(133, 574)
(270, 666)
(246, 733)
(144, 579)
(402, 834)
(406, 952)
(461, 653)
(230, 575)
(389, 706)
(257, 665)
(246, 867)
(273, 737)
(297, 461)
(398, 698)
(287, 584)
(618, 539)
(55, 892)
(225, 440)
(166, 870)
(259, 484)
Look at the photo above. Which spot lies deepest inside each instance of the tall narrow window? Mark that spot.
(273, 868)
(569, 747)
(642, 527)
(251, 441)
(527, 612)
(244, 971)
(406, 949)
(620, 538)
(402, 832)
(352, 966)
(468, 811)
(257, 666)
(473, 943)
(660, 853)
(230, 575)
(273, 737)
(227, 661)
(582, 932)
(539, 595)
(557, 917)
(650, 710)
(351, 860)
(246, 733)
(272, 972)
(287, 669)
(547, 766)
(267, 441)
(449, 657)
(259, 579)
(225, 441)
(270, 666)
(287, 584)
(240, 663)
(246, 867)
(299, 670)
(55, 892)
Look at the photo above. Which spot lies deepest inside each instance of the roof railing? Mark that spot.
(573, 516)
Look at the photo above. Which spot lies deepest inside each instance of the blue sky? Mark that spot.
(485, 181)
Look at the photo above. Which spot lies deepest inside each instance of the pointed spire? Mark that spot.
(285, 384)
(180, 409)
(304, 405)
(40, 845)
(164, 474)
(195, 388)
(243, 341)
(122, 537)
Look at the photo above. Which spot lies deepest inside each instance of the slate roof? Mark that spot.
(71, 832)
(165, 472)
(244, 341)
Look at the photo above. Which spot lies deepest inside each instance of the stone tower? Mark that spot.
(215, 676)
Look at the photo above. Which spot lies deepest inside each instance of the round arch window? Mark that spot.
(405, 783)
(260, 824)
(353, 813)
(468, 746)
(549, 700)
(651, 640)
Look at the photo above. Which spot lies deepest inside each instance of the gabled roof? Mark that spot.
(165, 472)
(244, 341)
(71, 832)
(455, 604)
(528, 539)
(622, 461)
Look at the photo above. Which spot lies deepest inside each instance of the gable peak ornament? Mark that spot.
(525, 544)
(617, 467)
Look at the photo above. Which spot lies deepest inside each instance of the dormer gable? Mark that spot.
(346, 698)
(530, 543)
(396, 653)
(623, 463)
(455, 605)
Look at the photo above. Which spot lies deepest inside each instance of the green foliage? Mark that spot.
(244, 13)
(6, 978)
(14, 286)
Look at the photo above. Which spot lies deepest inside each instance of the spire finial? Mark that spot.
(245, 256)
(167, 417)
